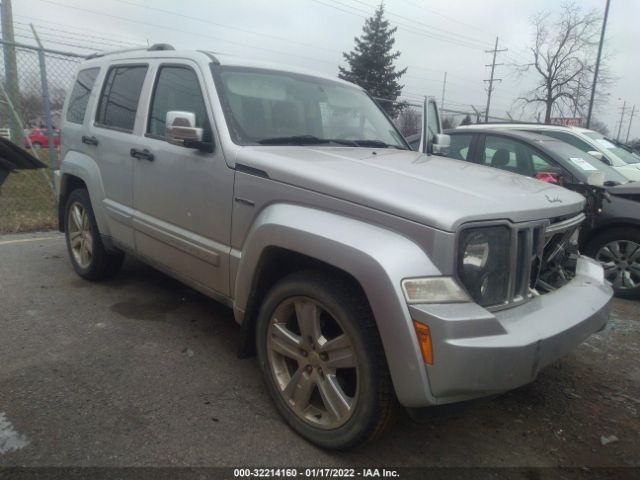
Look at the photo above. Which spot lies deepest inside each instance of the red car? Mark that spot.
(39, 138)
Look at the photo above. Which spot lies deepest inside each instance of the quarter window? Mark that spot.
(177, 88)
(79, 98)
(120, 95)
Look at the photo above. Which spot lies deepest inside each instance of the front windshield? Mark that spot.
(621, 154)
(280, 108)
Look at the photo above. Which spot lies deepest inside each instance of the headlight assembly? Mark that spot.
(484, 261)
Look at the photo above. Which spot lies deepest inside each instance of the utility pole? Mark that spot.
(11, 69)
(444, 86)
(595, 74)
(624, 108)
(633, 111)
(493, 66)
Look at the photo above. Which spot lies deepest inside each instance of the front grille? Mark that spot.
(535, 246)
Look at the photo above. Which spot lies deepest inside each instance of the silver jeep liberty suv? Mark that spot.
(363, 274)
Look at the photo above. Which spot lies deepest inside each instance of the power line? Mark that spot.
(164, 27)
(422, 24)
(209, 22)
(53, 37)
(77, 34)
(111, 36)
(401, 26)
(493, 65)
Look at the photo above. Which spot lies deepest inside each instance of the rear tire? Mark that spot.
(87, 253)
(618, 251)
(335, 395)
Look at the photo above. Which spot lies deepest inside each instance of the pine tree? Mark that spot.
(371, 62)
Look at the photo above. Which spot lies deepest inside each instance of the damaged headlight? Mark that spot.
(484, 261)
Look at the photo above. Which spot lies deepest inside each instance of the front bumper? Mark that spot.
(478, 353)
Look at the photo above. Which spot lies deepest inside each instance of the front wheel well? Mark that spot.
(275, 264)
(68, 184)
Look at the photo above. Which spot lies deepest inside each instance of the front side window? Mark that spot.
(177, 88)
(459, 147)
(120, 95)
(79, 98)
(272, 107)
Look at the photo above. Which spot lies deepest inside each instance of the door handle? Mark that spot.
(142, 154)
(90, 140)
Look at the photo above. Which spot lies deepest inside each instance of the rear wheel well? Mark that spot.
(275, 264)
(68, 184)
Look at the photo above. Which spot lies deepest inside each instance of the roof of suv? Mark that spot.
(166, 51)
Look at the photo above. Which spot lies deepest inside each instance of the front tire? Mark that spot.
(618, 251)
(322, 360)
(87, 253)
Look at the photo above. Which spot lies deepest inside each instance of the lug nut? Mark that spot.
(324, 356)
(308, 369)
(304, 353)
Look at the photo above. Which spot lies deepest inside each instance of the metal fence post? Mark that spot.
(46, 104)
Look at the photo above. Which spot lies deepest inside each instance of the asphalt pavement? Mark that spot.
(142, 371)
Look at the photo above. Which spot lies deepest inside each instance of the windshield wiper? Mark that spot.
(294, 140)
(376, 144)
(313, 140)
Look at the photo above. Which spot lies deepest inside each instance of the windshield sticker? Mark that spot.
(603, 142)
(583, 164)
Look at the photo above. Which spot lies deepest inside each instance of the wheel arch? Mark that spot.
(81, 171)
(288, 237)
(610, 225)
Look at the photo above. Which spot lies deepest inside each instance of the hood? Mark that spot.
(630, 171)
(631, 188)
(431, 190)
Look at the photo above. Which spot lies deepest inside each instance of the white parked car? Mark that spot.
(589, 141)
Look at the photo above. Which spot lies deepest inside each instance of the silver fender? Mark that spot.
(378, 258)
(85, 168)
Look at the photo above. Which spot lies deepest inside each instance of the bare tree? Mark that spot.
(409, 121)
(564, 54)
(449, 121)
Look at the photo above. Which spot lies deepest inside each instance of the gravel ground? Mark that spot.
(142, 371)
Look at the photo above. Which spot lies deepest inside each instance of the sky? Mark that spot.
(433, 37)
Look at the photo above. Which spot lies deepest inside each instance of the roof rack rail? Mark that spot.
(156, 47)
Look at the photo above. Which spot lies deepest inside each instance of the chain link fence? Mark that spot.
(34, 83)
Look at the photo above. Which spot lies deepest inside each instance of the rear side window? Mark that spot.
(80, 95)
(177, 88)
(120, 95)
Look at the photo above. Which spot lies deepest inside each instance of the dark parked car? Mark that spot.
(613, 234)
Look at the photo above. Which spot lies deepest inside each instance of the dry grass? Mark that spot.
(27, 201)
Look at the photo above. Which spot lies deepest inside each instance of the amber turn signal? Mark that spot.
(424, 339)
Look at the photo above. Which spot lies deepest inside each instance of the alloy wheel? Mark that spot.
(313, 362)
(621, 262)
(80, 237)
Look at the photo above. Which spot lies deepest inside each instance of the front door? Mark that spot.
(183, 196)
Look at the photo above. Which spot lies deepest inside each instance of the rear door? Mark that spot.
(183, 196)
(116, 130)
